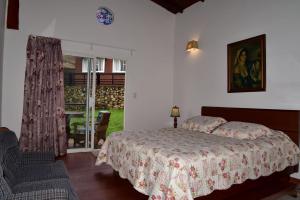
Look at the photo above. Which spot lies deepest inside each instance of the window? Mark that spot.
(119, 66)
(85, 64)
(100, 64)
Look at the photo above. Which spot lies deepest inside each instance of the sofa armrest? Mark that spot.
(50, 194)
(3, 129)
(29, 158)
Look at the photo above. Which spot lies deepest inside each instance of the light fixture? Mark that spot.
(192, 46)
(175, 113)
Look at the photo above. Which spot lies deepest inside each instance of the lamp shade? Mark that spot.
(175, 112)
(192, 45)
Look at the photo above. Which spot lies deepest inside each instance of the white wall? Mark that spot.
(2, 28)
(201, 79)
(139, 25)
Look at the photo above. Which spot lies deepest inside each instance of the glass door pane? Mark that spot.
(78, 81)
(109, 99)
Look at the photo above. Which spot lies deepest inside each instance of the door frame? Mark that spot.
(92, 54)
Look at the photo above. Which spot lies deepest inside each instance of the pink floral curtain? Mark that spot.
(43, 121)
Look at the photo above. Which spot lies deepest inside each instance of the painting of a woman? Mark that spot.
(241, 75)
(246, 65)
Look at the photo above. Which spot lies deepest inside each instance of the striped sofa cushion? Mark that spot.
(10, 165)
(5, 190)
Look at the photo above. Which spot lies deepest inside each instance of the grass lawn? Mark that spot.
(116, 120)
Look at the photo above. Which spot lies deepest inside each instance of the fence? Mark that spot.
(117, 79)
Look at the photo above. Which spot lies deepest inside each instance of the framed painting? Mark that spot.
(246, 65)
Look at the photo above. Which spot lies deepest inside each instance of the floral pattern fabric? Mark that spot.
(177, 164)
(204, 124)
(242, 130)
(43, 121)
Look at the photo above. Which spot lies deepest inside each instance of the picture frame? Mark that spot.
(246, 65)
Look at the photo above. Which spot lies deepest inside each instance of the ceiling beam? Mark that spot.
(168, 5)
(176, 6)
(179, 7)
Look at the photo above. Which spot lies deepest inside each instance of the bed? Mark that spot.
(181, 164)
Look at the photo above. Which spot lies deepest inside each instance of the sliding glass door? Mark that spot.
(94, 99)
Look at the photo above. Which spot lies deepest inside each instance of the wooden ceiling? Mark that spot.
(176, 6)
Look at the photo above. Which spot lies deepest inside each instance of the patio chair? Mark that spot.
(79, 134)
(100, 128)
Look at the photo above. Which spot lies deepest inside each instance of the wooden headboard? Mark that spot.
(287, 121)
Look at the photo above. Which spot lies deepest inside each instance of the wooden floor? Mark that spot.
(97, 182)
(100, 183)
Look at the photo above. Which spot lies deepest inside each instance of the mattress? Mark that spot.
(181, 164)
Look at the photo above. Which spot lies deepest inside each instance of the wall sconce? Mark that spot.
(175, 113)
(192, 46)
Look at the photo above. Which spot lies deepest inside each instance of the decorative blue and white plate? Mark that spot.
(104, 16)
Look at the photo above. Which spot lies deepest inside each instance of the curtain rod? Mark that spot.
(91, 43)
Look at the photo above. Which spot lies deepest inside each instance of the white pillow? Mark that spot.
(204, 124)
(242, 130)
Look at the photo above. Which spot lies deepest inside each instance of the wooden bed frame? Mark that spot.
(287, 121)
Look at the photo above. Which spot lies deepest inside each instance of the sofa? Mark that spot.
(32, 175)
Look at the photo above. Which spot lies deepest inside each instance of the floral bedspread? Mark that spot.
(177, 164)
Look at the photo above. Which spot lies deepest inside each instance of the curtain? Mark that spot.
(43, 122)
